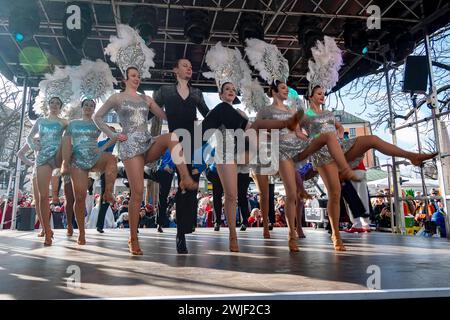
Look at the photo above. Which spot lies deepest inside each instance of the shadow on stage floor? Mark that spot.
(28, 270)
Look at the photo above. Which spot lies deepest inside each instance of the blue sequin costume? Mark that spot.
(50, 133)
(84, 134)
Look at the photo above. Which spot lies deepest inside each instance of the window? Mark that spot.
(352, 132)
(111, 117)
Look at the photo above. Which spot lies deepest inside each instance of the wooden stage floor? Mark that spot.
(264, 269)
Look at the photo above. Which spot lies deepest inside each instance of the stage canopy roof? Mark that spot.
(281, 22)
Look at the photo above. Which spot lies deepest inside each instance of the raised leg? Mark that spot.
(107, 163)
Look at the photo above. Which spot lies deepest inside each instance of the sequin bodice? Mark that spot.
(50, 134)
(320, 123)
(84, 143)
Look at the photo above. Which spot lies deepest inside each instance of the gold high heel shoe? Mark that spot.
(234, 244)
(421, 157)
(41, 234)
(187, 183)
(338, 244)
(133, 246)
(292, 243)
(48, 240)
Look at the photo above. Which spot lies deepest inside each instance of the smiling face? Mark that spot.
(183, 69)
(133, 79)
(54, 105)
(228, 93)
(318, 96)
(88, 108)
(283, 91)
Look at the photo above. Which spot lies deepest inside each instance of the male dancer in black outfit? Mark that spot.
(181, 102)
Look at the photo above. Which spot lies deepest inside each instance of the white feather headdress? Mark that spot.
(324, 69)
(128, 49)
(93, 80)
(253, 96)
(227, 65)
(268, 60)
(58, 84)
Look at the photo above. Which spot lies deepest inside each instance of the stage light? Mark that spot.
(309, 32)
(23, 20)
(355, 37)
(196, 27)
(77, 23)
(402, 45)
(250, 27)
(145, 20)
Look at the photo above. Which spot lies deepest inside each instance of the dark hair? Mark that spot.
(85, 100)
(58, 98)
(273, 87)
(177, 62)
(223, 85)
(310, 94)
(122, 83)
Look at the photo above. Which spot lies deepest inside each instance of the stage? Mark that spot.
(264, 269)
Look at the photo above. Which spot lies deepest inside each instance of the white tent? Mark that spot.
(409, 183)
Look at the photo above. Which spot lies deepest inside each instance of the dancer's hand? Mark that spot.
(122, 137)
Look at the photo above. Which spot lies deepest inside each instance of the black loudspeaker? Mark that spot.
(416, 74)
(25, 219)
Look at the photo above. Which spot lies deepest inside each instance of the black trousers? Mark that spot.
(348, 192)
(164, 179)
(271, 203)
(186, 204)
(243, 183)
(214, 178)
(103, 206)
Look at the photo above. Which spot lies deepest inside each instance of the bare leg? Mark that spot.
(135, 169)
(68, 205)
(80, 182)
(55, 193)
(170, 140)
(262, 183)
(36, 206)
(365, 143)
(335, 150)
(66, 155)
(301, 194)
(44, 174)
(330, 177)
(228, 177)
(287, 173)
(107, 163)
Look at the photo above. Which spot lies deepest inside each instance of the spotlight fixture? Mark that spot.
(309, 32)
(196, 27)
(145, 20)
(356, 37)
(23, 20)
(250, 27)
(77, 23)
(401, 44)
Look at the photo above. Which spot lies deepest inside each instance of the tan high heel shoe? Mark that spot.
(421, 157)
(48, 238)
(234, 244)
(133, 246)
(69, 231)
(338, 244)
(293, 121)
(41, 234)
(348, 174)
(187, 183)
(266, 233)
(81, 240)
(292, 243)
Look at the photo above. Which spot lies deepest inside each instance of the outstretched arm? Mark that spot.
(22, 155)
(30, 139)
